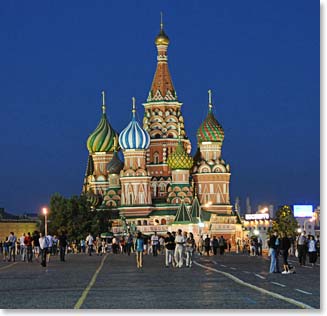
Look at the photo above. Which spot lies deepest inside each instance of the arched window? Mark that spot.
(156, 157)
(163, 221)
(145, 222)
(139, 223)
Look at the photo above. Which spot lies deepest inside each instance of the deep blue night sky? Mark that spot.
(260, 58)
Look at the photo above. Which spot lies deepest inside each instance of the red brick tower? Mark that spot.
(161, 117)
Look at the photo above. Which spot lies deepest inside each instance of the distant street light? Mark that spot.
(45, 213)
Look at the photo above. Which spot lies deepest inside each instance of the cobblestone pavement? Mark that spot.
(113, 282)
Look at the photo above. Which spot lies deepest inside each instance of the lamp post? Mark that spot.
(45, 213)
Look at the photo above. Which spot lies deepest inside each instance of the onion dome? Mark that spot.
(210, 130)
(103, 137)
(115, 165)
(162, 38)
(93, 199)
(180, 159)
(134, 136)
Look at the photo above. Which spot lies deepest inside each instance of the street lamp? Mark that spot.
(45, 213)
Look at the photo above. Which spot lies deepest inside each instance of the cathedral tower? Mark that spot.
(135, 181)
(161, 118)
(101, 145)
(180, 162)
(210, 173)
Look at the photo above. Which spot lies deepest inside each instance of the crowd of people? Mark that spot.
(176, 246)
(282, 244)
(35, 246)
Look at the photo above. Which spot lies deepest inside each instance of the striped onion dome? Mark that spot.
(93, 199)
(134, 136)
(180, 159)
(115, 165)
(103, 137)
(210, 130)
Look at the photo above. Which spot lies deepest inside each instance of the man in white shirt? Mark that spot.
(49, 251)
(89, 242)
(22, 246)
(12, 246)
(155, 244)
(44, 248)
(179, 240)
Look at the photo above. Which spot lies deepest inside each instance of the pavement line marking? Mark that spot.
(247, 272)
(259, 289)
(232, 268)
(214, 262)
(8, 266)
(305, 292)
(222, 265)
(279, 284)
(87, 289)
(260, 276)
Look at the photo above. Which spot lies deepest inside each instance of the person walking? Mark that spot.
(312, 250)
(222, 245)
(28, 241)
(44, 244)
(273, 244)
(89, 242)
(62, 244)
(155, 244)
(139, 250)
(318, 245)
(179, 240)
(169, 251)
(200, 245)
(285, 245)
(207, 245)
(129, 244)
(36, 245)
(12, 246)
(50, 244)
(260, 246)
(302, 248)
(189, 249)
(22, 247)
(215, 245)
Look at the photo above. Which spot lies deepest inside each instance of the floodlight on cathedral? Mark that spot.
(103, 137)
(134, 136)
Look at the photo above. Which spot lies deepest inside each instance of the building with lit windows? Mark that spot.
(159, 186)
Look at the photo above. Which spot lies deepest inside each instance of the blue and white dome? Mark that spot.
(134, 136)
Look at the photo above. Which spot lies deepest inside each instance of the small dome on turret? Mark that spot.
(134, 136)
(179, 159)
(162, 38)
(210, 130)
(115, 165)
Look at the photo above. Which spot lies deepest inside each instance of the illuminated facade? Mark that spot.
(159, 186)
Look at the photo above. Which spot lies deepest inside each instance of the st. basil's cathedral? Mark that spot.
(159, 186)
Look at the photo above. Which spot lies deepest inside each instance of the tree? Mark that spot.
(285, 221)
(74, 217)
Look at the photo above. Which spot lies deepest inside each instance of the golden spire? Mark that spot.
(162, 38)
(103, 103)
(210, 100)
(161, 22)
(133, 106)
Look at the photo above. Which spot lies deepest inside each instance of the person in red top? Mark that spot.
(28, 245)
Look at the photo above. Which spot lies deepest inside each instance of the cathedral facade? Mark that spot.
(159, 186)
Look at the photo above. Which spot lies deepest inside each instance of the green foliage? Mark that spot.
(73, 216)
(285, 221)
